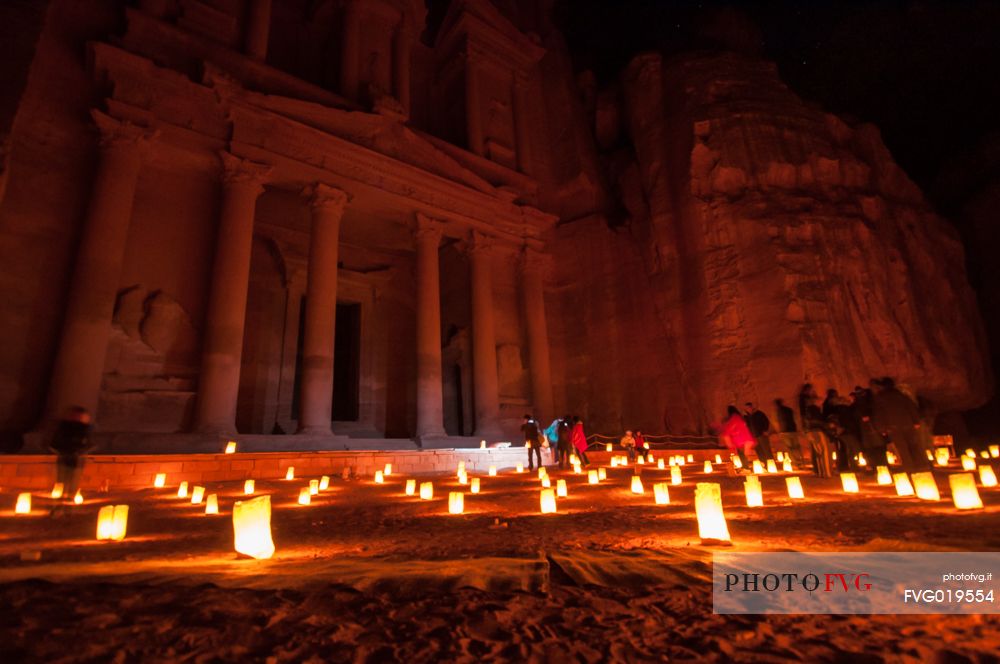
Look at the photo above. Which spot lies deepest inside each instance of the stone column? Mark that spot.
(316, 387)
(350, 50)
(79, 363)
(484, 346)
(473, 107)
(532, 267)
(430, 400)
(521, 124)
(258, 28)
(222, 341)
(401, 67)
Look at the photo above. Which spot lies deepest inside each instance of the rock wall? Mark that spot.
(776, 245)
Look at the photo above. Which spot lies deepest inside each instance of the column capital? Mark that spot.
(479, 244)
(326, 197)
(427, 228)
(117, 133)
(236, 170)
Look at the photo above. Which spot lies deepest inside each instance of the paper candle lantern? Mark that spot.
(833, 455)
(313, 487)
(925, 486)
(754, 491)
(964, 493)
(542, 472)
(378, 477)
(252, 527)
(903, 485)
(561, 488)
(675, 475)
(941, 454)
(737, 462)
(968, 463)
(520, 467)
(849, 482)
(986, 476)
(461, 467)
(305, 498)
(786, 464)
(794, 486)
(690, 458)
(23, 504)
(661, 493)
(970, 452)
(546, 482)
(708, 508)
(614, 462)
(890, 458)
(672, 461)
(708, 466)
(387, 470)
(772, 467)
(983, 454)
(780, 455)
(995, 451)
(862, 461)
(456, 502)
(160, 480)
(182, 490)
(930, 455)
(592, 477)
(493, 471)
(290, 473)
(641, 461)
(602, 474)
(112, 522)
(660, 464)
(547, 498)
(57, 490)
(608, 447)
(411, 487)
(482, 444)
(197, 495)
(636, 484)
(78, 498)
(231, 447)
(573, 459)
(758, 467)
(474, 485)
(718, 459)
(883, 475)
(426, 490)
(248, 487)
(212, 504)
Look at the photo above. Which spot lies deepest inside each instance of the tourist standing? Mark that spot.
(760, 428)
(787, 430)
(552, 435)
(580, 440)
(532, 440)
(895, 415)
(70, 441)
(565, 438)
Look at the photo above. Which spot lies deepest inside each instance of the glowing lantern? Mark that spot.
(197, 495)
(708, 466)
(984, 454)
(636, 484)
(493, 471)
(426, 490)
(248, 487)
(548, 501)
(968, 463)
(758, 467)
(461, 468)
(794, 486)
(182, 490)
(754, 491)
(964, 493)
(608, 447)
(969, 452)
(602, 474)
(78, 498)
(675, 475)
(573, 459)
(862, 461)
(252, 527)
(593, 477)
(672, 461)
(925, 486)
(850, 482)
(941, 454)
(833, 455)
(781, 456)
(290, 473)
(786, 464)
(387, 470)
(660, 464)
(313, 487)
(718, 459)
(641, 461)
(474, 485)
(995, 451)
(614, 462)
(546, 482)
(112, 521)
(542, 472)
(482, 444)
(708, 508)
(57, 490)
(987, 476)
(661, 493)
(520, 468)
(305, 498)
(456, 502)
(160, 480)
(378, 477)
(737, 462)
(23, 504)
(561, 488)
(231, 447)
(884, 476)
(902, 482)
(772, 467)
(930, 455)
(891, 459)
(411, 487)
(690, 458)
(212, 504)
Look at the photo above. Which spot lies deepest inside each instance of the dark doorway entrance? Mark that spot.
(347, 363)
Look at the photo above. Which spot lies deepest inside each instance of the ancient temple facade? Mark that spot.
(345, 220)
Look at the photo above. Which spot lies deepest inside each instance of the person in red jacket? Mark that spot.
(580, 440)
(735, 435)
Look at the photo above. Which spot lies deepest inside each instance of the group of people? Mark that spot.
(561, 438)
(840, 430)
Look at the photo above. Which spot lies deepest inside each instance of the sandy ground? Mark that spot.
(368, 574)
